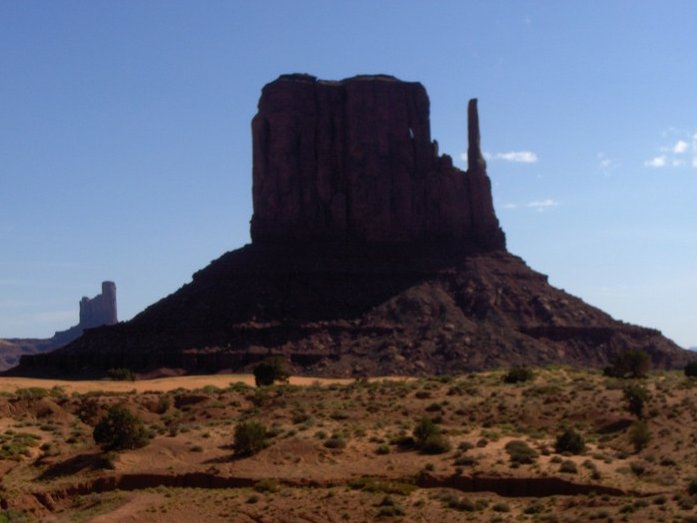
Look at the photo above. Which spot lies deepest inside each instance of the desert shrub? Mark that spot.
(250, 438)
(163, 404)
(335, 442)
(632, 363)
(436, 444)
(636, 396)
(520, 452)
(691, 369)
(639, 435)
(121, 374)
(692, 487)
(570, 441)
(428, 437)
(518, 375)
(269, 371)
(32, 393)
(569, 467)
(120, 430)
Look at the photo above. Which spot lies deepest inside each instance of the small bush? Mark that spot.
(570, 441)
(569, 467)
(121, 374)
(518, 375)
(632, 363)
(335, 442)
(250, 438)
(639, 435)
(120, 430)
(691, 369)
(428, 437)
(520, 452)
(636, 396)
(269, 371)
(436, 444)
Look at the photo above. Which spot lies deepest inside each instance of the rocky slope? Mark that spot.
(371, 254)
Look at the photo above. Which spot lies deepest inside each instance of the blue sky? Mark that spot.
(125, 147)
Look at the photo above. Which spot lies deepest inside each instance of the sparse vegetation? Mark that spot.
(120, 430)
(250, 438)
(570, 441)
(121, 374)
(639, 435)
(270, 370)
(636, 397)
(518, 375)
(691, 369)
(631, 363)
(429, 438)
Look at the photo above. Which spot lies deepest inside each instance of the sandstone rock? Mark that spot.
(353, 161)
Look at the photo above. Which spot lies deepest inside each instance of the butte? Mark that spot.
(371, 254)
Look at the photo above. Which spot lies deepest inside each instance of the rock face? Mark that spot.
(353, 161)
(95, 312)
(100, 310)
(371, 255)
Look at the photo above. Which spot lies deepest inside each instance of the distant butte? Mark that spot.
(371, 254)
(95, 312)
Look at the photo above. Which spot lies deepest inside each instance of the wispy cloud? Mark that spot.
(606, 164)
(536, 205)
(676, 154)
(543, 204)
(516, 156)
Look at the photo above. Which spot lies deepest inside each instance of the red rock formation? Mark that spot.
(100, 310)
(354, 161)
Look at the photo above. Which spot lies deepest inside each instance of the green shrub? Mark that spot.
(518, 375)
(639, 435)
(636, 396)
(436, 444)
(428, 437)
(269, 371)
(570, 441)
(121, 374)
(691, 369)
(569, 467)
(632, 363)
(335, 442)
(120, 430)
(520, 452)
(250, 438)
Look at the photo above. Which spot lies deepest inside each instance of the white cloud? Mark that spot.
(680, 147)
(694, 162)
(517, 156)
(537, 205)
(543, 204)
(657, 162)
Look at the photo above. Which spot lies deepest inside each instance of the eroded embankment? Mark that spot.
(503, 486)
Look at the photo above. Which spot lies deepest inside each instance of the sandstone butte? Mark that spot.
(94, 312)
(371, 254)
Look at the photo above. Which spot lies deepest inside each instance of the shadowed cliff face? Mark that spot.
(354, 161)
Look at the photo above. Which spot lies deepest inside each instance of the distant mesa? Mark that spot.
(371, 254)
(95, 312)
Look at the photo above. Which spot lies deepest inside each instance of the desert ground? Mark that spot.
(347, 450)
